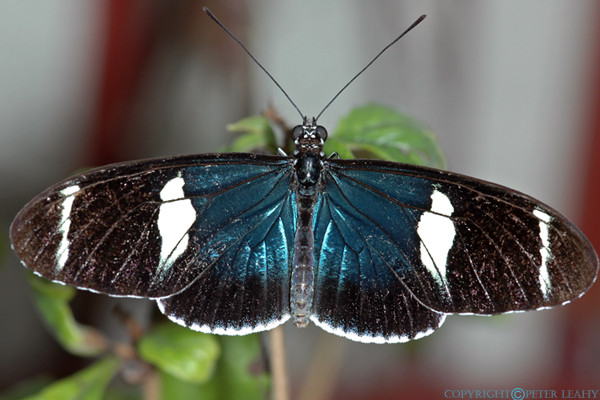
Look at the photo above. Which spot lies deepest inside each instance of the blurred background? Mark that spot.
(511, 88)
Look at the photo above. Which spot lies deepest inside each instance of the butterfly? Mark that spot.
(371, 250)
(237, 243)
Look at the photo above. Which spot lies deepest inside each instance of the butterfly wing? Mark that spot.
(246, 289)
(356, 294)
(394, 239)
(154, 228)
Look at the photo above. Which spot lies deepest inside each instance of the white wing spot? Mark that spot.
(545, 219)
(437, 233)
(62, 253)
(175, 218)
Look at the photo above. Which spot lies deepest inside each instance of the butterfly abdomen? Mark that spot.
(302, 279)
(307, 175)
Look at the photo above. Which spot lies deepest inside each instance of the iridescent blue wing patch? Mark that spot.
(248, 245)
(357, 295)
(393, 239)
(208, 228)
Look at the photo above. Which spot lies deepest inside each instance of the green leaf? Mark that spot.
(52, 301)
(334, 145)
(173, 388)
(188, 355)
(257, 135)
(232, 379)
(87, 384)
(381, 132)
(26, 387)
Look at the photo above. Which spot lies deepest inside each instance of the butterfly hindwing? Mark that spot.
(356, 294)
(457, 244)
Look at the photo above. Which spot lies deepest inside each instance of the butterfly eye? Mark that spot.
(297, 132)
(321, 133)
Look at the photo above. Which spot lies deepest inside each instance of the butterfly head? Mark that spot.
(309, 137)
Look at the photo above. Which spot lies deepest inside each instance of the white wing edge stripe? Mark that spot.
(62, 253)
(220, 330)
(545, 251)
(373, 338)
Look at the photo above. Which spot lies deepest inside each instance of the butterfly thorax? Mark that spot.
(308, 156)
(308, 164)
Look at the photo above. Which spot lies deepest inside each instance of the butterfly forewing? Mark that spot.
(457, 244)
(246, 289)
(147, 228)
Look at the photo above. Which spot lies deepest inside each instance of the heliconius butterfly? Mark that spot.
(236, 243)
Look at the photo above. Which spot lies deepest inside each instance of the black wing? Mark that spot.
(398, 245)
(216, 231)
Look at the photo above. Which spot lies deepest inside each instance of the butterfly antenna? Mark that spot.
(414, 24)
(212, 16)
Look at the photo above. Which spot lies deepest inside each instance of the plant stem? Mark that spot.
(324, 368)
(151, 388)
(279, 390)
